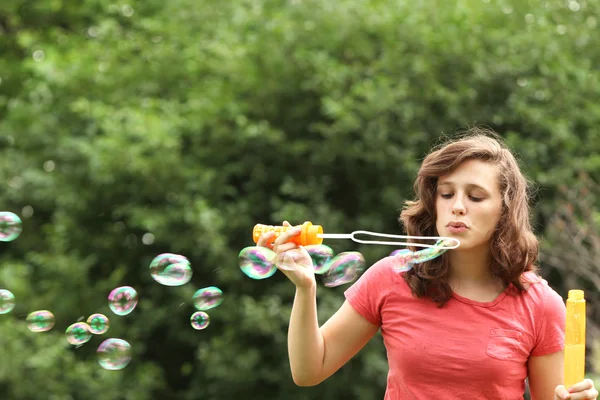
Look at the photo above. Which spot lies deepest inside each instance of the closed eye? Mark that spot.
(473, 198)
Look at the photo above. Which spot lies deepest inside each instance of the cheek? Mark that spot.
(491, 216)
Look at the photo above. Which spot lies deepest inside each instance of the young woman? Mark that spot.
(473, 323)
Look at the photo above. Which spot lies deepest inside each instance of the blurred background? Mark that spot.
(133, 128)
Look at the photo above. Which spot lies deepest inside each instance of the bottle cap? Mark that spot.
(576, 294)
(310, 233)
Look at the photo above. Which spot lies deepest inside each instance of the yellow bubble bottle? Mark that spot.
(575, 338)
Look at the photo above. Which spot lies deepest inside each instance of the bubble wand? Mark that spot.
(313, 235)
(260, 262)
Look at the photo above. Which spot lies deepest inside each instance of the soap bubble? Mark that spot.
(114, 354)
(40, 321)
(98, 323)
(321, 255)
(402, 259)
(344, 268)
(257, 262)
(401, 252)
(7, 301)
(432, 252)
(171, 269)
(122, 300)
(207, 298)
(78, 333)
(199, 320)
(10, 226)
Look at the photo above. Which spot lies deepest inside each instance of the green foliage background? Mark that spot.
(192, 121)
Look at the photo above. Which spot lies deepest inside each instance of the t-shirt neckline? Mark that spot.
(484, 304)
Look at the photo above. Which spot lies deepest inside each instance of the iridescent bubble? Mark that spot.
(400, 252)
(98, 323)
(431, 253)
(114, 354)
(402, 259)
(122, 300)
(171, 269)
(40, 321)
(207, 298)
(199, 320)
(321, 255)
(344, 268)
(78, 333)
(257, 262)
(7, 301)
(10, 226)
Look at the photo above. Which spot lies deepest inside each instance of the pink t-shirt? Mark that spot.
(464, 350)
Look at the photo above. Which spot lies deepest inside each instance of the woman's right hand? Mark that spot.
(293, 260)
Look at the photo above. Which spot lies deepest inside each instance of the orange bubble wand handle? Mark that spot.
(310, 234)
(575, 338)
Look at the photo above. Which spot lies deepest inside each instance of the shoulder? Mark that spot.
(546, 304)
(383, 268)
(548, 314)
(539, 291)
(369, 293)
(385, 273)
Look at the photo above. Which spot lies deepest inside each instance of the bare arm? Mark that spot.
(316, 353)
(545, 373)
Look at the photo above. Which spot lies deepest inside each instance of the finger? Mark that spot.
(292, 260)
(561, 393)
(287, 235)
(282, 248)
(589, 394)
(265, 238)
(305, 252)
(581, 386)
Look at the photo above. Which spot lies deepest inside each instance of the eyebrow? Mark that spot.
(469, 185)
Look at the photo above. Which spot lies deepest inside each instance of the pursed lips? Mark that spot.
(457, 225)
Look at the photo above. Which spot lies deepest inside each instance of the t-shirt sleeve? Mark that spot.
(367, 295)
(551, 334)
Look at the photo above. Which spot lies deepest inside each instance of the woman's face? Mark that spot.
(468, 204)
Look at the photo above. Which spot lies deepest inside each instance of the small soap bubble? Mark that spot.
(98, 323)
(344, 268)
(122, 300)
(40, 321)
(207, 298)
(171, 269)
(114, 354)
(7, 301)
(199, 320)
(257, 262)
(78, 333)
(321, 255)
(11, 226)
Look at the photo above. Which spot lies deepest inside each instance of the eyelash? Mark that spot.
(475, 199)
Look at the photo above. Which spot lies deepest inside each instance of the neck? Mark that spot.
(472, 266)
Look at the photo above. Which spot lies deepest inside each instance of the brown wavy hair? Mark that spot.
(514, 247)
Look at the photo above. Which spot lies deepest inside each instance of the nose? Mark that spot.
(458, 208)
